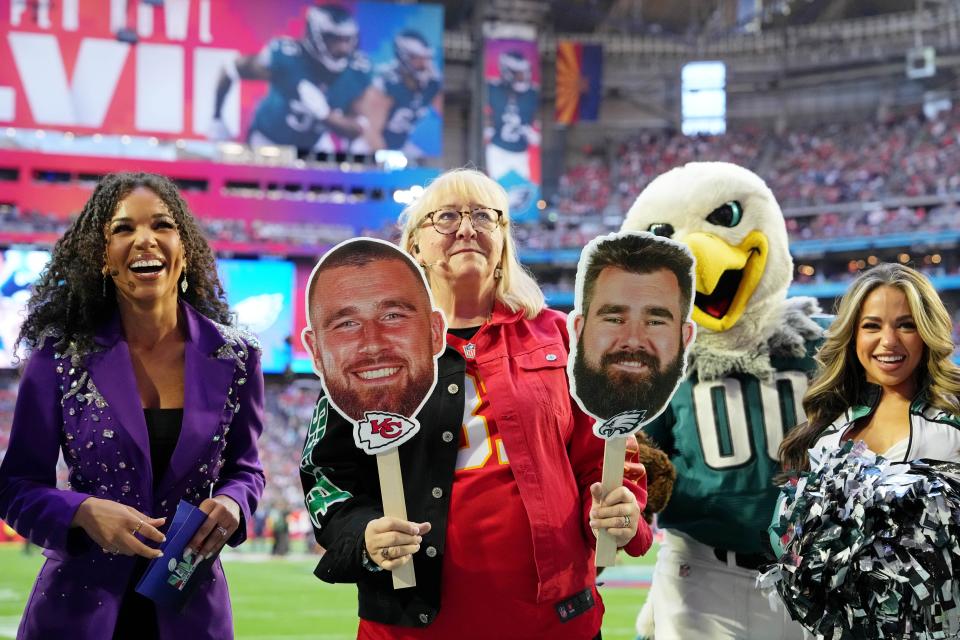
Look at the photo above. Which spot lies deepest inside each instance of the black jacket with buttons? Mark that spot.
(342, 492)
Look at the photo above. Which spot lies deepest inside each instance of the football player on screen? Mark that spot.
(315, 82)
(510, 119)
(403, 92)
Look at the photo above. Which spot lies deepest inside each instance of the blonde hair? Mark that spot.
(840, 377)
(516, 288)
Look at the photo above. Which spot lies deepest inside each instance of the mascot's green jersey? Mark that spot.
(722, 437)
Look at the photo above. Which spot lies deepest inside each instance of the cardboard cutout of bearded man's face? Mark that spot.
(631, 326)
(373, 332)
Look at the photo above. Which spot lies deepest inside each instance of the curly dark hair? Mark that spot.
(68, 300)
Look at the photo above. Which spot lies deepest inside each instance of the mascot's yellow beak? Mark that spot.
(726, 277)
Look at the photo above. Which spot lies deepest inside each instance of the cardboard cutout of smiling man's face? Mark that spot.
(631, 325)
(372, 330)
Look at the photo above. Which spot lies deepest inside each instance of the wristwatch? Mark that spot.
(367, 562)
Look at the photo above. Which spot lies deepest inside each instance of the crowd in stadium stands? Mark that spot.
(14, 220)
(288, 407)
(560, 233)
(904, 155)
(303, 233)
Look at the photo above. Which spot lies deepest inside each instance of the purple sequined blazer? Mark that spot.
(88, 407)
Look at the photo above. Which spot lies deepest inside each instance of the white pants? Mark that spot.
(694, 595)
(500, 162)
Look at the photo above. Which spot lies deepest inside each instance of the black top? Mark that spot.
(465, 333)
(137, 618)
(163, 425)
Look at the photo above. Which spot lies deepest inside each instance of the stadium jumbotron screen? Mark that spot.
(267, 73)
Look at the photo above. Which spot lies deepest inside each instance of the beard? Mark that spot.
(401, 397)
(606, 393)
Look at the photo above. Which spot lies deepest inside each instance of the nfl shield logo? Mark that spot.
(470, 351)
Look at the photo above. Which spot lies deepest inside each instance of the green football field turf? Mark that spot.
(280, 599)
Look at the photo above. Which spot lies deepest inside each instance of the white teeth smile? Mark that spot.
(145, 264)
(378, 373)
(632, 363)
(890, 359)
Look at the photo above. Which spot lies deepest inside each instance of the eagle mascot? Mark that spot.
(748, 372)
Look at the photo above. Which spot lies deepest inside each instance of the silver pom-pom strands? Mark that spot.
(870, 547)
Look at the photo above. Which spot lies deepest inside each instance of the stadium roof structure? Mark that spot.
(670, 17)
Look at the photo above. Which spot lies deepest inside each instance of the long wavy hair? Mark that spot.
(516, 288)
(840, 378)
(73, 297)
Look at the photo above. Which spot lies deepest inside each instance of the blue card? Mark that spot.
(171, 578)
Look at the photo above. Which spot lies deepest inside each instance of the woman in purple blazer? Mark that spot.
(135, 375)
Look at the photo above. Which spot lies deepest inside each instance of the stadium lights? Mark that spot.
(390, 160)
(407, 196)
(232, 148)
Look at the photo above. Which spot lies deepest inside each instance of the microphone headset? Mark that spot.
(424, 265)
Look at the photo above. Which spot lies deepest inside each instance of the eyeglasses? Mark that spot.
(447, 221)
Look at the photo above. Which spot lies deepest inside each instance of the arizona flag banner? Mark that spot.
(579, 81)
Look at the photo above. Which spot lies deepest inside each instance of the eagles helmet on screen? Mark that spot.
(331, 36)
(515, 70)
(415, 56)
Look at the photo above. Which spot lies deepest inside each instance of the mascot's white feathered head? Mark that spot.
(730, 220)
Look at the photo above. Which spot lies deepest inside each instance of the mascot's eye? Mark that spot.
(661, 229)
(728, 215)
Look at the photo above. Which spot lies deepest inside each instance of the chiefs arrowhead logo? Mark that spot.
(380, 431)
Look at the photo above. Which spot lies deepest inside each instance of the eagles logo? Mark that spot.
(620, 425)
(521, 196)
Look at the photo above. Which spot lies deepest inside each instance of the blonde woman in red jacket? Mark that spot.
(502, 483)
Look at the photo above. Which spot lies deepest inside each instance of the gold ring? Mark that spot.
(136, 529)
(385, 553)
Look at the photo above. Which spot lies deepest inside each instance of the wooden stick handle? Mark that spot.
(614, 452)
(394, 506)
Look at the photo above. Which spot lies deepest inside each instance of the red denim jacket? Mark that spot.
(524, 362)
